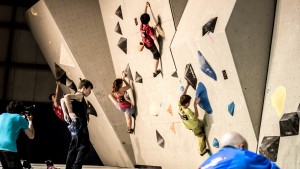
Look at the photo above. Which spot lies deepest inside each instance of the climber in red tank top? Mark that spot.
(117, 97)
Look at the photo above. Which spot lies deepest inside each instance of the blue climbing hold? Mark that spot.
(231, 108)
(216, 143)
(205, 67)
(201, 93)
(181, 88)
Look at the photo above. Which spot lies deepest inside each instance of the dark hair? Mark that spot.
(50, 96)
(184, 99)
(145, 18)
(14, 107)
(85, 83)
(116, 85)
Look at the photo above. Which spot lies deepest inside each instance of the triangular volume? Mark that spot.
(215, 143)
(205, 67)
(65, 56)
(209, 26)
(289, 124)
(59, 72)
(138, 78)
(190, 76)
(231, 108)
(63, 79)
(119, 12)
(123, 44)
(127, 72)
(90, 109)
(118, 29)
(169, 110)
(269, 147)
(70, 83)
(175, 74)
(298, 110)
(160, 139)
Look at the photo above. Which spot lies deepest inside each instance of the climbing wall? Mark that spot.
(281, 104)
(222, 45)
(72, 38)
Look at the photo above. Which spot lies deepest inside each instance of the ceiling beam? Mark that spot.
(10, 25)
(25, 65)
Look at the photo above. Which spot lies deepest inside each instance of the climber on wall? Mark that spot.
(149, 39)
(190, 119)
(121, 102)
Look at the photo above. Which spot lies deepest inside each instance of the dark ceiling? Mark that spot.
(12, 21)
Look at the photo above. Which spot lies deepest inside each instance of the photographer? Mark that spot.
(11, 123)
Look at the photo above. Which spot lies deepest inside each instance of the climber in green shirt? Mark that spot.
(190, 119)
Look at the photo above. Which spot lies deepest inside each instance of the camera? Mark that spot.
(27, 110)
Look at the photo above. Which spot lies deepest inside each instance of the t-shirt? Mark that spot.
(123, 103)
(58, 111)
(10, 127)
(235, 158)
(192, 122)
(201, 93)
(147, 33)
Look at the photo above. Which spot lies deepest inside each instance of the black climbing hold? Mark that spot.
(118, 29)
(209, 26)
(269, 147)
(123, 44)
(190, 76)
(289, 124)
(138, 78)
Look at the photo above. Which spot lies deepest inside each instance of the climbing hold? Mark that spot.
(172, 128)
(209, 26)
(138, 78)
(289, 124)
(175, 74)
(118, 29)
(123, 44)
(231, 108)
(59, 72)
(190, 76)
(278, 99)
(90, 109)
(160, 139)
(169, 110)
(215, 143)
(127, 72)
(269, 147)
(205, 67)
(224, 74)
(119, 12)
(201, 93)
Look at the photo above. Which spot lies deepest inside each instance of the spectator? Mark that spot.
(234, 155)
(77, 116)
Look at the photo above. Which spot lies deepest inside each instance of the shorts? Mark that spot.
(129, 111)
(154, 51)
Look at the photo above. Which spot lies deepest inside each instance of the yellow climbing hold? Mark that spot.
(278, 99)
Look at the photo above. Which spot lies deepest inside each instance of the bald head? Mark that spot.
(234, 139)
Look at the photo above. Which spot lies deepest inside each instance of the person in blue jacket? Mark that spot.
(234, 155)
